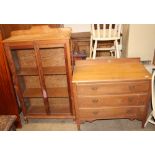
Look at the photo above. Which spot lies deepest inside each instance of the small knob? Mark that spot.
(130, 99)
(95, 112)
(95, 100)
(131, 88)
(44, 93)
(94, 88)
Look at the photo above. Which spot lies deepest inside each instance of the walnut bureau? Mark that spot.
(111, 88)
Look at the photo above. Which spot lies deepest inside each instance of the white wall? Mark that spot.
(141, 41)
(79, 27)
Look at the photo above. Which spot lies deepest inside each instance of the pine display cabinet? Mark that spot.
(39, 60)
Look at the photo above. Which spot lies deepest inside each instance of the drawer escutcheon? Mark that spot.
(95, 100)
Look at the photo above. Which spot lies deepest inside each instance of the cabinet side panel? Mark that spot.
(8, 102)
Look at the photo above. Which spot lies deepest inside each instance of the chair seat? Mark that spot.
(101, 58)
(105, 49)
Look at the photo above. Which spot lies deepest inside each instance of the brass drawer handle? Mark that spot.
(132, 88)
(95, 100)
(95, 112)
(130, 99)
(94, 88)
(129, 111)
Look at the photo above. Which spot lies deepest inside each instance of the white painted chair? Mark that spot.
(151, 117)
(100, 32)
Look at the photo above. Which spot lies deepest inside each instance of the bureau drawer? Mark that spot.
(108, 113)
(111, 100)
(112, 88)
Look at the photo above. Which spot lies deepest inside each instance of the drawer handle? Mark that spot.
(94, 88)
(95, 100)
(95, 112)
(131, 88)
(130, 99)
(129, 111)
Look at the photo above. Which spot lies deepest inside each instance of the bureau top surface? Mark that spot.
(39, 33)
(109, 70)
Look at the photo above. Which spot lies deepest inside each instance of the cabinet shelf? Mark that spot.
(52, 92)
(54, 109)
(55, 70)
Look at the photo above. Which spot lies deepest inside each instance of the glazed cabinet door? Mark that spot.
(51, 60)
(25, 69)
(41, 80)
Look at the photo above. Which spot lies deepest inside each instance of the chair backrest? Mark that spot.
(104, 31)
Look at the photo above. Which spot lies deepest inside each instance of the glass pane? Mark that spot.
(25, 61)
(53, 60)
(59, 105)
(34, 105)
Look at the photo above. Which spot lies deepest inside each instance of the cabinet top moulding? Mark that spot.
(39, 33)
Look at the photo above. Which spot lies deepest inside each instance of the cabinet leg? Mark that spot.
(78, 126)
(143, 124)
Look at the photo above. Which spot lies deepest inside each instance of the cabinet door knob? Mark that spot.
(95, 100)
(44, 93)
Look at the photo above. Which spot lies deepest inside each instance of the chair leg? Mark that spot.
(112, 52)
(91, 46)
(148, 119)
(115, 53)
(117, 49)
(94, 50)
